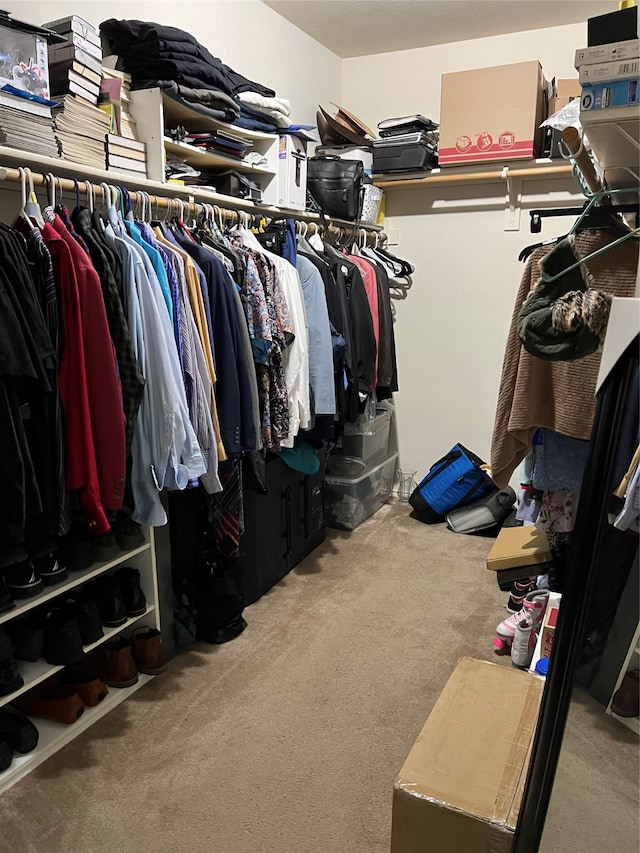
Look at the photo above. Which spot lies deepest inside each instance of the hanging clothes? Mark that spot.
(553, 394)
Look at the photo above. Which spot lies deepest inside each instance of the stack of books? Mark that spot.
(80, 130)
(26, 124)
(115, 98)
(75, 67)
(126, 155)
(220, 142)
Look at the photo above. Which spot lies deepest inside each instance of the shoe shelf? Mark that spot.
(630, 663)
(632, 723)
(34, 673)
(53, 736)
(74, 579)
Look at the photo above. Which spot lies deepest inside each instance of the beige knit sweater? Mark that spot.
(558, 395)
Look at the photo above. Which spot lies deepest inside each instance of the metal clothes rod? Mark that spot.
(181, 205)
(496, 176)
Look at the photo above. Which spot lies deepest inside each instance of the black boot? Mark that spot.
(134, 599)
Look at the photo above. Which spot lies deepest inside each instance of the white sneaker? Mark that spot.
(533, 607)
(524, 643)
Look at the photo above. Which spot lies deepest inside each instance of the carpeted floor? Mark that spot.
(288, 739)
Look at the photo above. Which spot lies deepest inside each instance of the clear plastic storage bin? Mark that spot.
(349, 500)
(368, 438)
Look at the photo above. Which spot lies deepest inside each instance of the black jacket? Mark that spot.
(152, 52)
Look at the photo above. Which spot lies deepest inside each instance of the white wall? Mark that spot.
(451, 329)
(245, 34)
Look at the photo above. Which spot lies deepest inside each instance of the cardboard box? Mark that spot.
(548, 630)
(604, 96)
(519, 553)
(519, 546)
(292, 172)
(562, 92)
(460, 788)
(607, 52)
(553, 603)
(24, 49)
(607, 72)
(492, 114)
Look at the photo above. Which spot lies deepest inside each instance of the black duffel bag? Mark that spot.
(337, 186)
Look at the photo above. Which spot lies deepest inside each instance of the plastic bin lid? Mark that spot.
(362, 473)
(345, 466)
(542, 667)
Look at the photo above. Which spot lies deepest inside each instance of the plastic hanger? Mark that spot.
(23, 190)
(549, 279)
(50, 181)
(32, 208)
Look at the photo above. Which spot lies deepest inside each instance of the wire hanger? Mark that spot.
(549, 279)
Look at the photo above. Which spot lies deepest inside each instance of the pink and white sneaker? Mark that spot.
(524, 643)
(533, 609)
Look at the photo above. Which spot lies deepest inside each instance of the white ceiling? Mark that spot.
(363, 27)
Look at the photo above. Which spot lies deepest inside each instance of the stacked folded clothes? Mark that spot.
(155, 55)
(210, 102)
(277, 110)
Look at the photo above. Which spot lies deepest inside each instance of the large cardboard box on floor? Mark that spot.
(492, 114)
(461, 786)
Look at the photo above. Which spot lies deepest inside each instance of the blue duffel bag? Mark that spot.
(453, 481)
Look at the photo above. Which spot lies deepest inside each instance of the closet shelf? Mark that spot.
(34, 673)
(177, 113)
(540, 169)
(203, 159)
(11, 158)
(53, 736)
(75, 579)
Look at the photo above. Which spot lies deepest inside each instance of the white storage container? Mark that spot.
(367, 438)
(351, 500)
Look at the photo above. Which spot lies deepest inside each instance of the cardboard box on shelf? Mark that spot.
(553, 603)
(563, 92)
(491, 114)
(460, 788)
(606, 72)
(607, 53)
(548, 630)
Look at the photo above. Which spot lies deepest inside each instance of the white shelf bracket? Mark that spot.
(512, 201)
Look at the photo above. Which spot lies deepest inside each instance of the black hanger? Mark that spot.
(601, 216)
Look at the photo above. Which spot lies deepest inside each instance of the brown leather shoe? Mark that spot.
(89, 687)
(148, 652)
(119, 665)
(60, 703)
(626, 700)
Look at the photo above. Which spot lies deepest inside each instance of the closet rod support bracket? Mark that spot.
(512, 201)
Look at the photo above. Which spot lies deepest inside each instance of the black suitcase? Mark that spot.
(281, 528)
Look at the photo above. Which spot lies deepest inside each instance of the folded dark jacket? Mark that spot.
(172, 54)
(212, 99)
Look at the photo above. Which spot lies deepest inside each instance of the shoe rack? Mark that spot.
(631, 661)
(53, 736)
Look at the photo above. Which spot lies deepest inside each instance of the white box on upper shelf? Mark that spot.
(292, 172)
